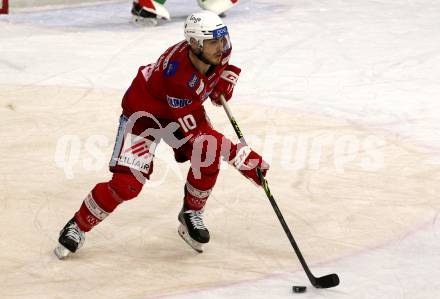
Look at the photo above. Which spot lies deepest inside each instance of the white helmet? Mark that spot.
(206, 25)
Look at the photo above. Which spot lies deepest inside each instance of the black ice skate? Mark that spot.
(71, 239)
(140, 15)
(192, 229)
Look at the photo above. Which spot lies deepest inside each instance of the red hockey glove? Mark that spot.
(226, 84)
(247, 161)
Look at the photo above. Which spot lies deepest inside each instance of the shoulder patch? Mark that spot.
(192, 83)
(171, 68)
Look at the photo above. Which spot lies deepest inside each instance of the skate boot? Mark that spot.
(71, 239)
(192, 229)
(140, 15)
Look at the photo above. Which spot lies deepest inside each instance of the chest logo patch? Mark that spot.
(177, 103)
(192, 83)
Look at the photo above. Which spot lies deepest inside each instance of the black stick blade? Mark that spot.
(327, 281)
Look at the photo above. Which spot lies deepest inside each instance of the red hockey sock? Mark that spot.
(104, 198)
(197, 191)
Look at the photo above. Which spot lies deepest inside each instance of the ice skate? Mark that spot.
(192, 229)
(142, 16)
(70, 240)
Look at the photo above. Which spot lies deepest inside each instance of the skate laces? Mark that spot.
(196, 218)
(75, 233)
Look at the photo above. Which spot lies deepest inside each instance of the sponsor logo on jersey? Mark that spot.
(217, 33)
(177, 103)
(172, 68)
(192, 83)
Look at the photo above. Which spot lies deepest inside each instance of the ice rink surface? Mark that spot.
(342, 97)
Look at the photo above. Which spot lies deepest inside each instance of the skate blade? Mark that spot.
(61, 252)
(183, 232)
(149, 22)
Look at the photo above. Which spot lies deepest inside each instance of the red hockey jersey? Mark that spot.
(172, 87)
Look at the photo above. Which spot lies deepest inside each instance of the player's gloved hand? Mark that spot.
(247, 161)
(226, 84)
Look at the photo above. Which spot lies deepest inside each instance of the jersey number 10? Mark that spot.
(187, 122)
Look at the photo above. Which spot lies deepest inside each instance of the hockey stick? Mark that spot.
(324, 282)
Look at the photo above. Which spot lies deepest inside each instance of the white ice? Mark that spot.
(374, 65)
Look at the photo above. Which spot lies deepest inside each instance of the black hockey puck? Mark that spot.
(299, 289)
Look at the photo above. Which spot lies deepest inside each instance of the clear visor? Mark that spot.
(223, 35)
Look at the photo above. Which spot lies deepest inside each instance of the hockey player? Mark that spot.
(148, 11)
(165, 102)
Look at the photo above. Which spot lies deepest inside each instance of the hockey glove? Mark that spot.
(247, 161)
(226, 84)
